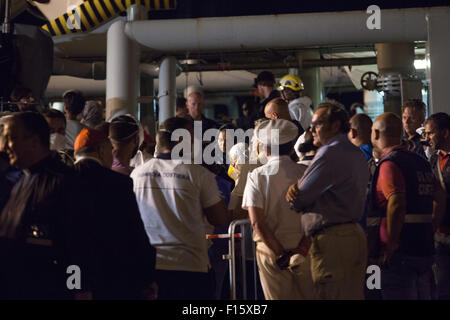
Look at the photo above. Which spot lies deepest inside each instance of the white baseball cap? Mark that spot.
(276, 132)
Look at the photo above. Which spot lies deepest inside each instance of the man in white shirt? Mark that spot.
(300, 106)
(175, 201)
(280, 244)
(73, 106)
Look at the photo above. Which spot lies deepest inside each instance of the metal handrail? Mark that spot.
(232, 259)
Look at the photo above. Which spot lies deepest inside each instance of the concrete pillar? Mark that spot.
(311, 77)
(396, 60)
(122, 67)
(167, 92)
(438, 60)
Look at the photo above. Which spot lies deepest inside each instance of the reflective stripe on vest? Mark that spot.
(409, 218)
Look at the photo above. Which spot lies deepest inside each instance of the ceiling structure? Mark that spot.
(218, 71)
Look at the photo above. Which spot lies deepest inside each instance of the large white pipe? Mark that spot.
(280, 31)
(167, 88)
(121, 72)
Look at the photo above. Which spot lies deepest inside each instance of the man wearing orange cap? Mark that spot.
(120, 257)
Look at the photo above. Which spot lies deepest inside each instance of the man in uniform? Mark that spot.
(176, 201)
(277, 229)
(402, 194)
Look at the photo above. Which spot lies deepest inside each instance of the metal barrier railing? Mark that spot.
(231, 257)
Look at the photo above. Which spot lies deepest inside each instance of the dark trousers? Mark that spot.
(183, 285)
(442, 270)
(407, 278)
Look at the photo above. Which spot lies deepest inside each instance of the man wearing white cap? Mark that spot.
(280, 244)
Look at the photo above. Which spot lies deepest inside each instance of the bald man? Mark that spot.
(400, 231)
(279, 109)
(359, 134)
(195, 106)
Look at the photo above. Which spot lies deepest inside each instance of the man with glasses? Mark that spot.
(333, 189)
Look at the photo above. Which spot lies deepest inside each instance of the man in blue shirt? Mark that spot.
(359, 134)
(333, 189)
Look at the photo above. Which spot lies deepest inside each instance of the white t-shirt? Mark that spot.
(73, 128)
(300, 110)
(266, 189)
(171, 198)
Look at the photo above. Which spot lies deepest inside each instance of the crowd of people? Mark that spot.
(327, 195)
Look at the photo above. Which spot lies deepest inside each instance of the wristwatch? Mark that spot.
(283, 260)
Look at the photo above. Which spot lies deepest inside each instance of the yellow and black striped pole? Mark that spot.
(93, 13)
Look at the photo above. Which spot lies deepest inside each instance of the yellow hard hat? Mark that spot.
(292, 82)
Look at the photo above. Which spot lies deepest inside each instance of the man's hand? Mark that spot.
(292, 193)
(388, 252)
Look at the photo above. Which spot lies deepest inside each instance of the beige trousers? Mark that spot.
(338, 262)
(293, 284)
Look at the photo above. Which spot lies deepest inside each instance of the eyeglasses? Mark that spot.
(317, 123)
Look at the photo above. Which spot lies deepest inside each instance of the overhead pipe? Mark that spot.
(279, 64)
(244, 32)
(93, 70)
(96, 70)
